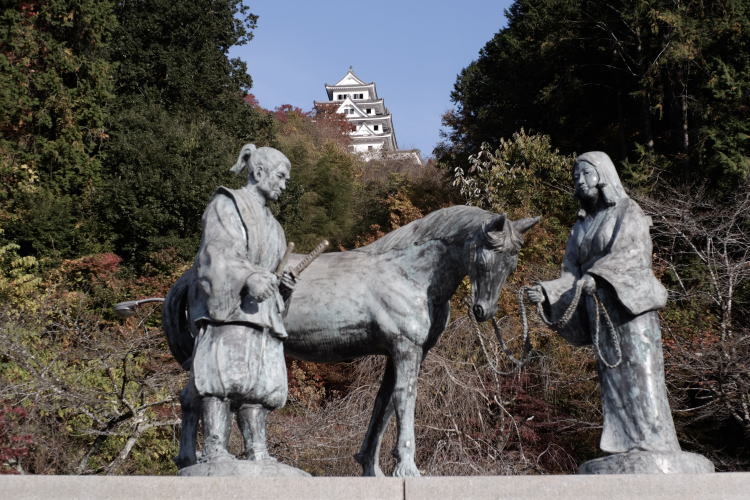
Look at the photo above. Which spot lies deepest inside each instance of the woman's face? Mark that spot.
(585, 181)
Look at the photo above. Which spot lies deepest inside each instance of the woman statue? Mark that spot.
(607, 295)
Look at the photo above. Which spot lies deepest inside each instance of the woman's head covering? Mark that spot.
(609, 185)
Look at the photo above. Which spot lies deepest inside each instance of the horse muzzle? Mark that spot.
(481, 313)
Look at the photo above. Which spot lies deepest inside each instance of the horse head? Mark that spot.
(493, 256)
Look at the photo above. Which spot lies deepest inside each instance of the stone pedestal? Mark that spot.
(648, 462)
(247, 468)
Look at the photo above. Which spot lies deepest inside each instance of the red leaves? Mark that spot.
(101, 266)
(14, 443)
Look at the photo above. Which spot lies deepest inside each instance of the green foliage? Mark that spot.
(162, 170)
(662, 77)
(175, 53)
(178, 123)
(100, 396)
(319, 202)
(19, 280)
(55, 83)
(523, 176)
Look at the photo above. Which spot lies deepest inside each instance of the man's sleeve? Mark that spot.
(222, 262)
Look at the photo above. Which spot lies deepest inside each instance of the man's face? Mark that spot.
(273, 180)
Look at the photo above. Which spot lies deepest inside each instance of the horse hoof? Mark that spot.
(182, 461)
(372, 471)
(406, 470)
(368, 469)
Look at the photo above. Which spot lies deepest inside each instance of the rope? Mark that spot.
(612, 333)
(599, 310)
(498, 334)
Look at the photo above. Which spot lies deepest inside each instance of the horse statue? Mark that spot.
(388, 298)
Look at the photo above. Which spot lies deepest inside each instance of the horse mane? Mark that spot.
(456, 223)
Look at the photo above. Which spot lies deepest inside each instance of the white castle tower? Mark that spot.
(372, 126)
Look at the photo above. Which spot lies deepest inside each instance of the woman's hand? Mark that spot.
(535, 294)
(589, 284)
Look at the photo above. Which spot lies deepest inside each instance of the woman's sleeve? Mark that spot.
(627, 264)
(559, 294)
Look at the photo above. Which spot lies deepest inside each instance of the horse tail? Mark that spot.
(176, 320)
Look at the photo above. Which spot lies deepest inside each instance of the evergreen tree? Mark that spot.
(179, 120)
(652, 82)
(55, 83)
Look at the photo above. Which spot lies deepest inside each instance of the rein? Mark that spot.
(599, 311)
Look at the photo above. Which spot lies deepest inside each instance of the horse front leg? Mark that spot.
(191, 404)
(407, 363)
(369, 454)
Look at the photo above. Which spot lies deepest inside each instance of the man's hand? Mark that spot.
(589, 284)
(261, 285)
(289, 280)
(535, 294)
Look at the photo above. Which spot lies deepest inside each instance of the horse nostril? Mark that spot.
(478, 311)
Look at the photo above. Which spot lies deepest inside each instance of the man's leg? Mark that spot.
(217, 425)
(251, 419)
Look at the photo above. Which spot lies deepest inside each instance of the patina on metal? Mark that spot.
(230, 306)
(607, 281)
(390, 298)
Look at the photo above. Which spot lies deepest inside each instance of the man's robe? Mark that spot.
(238, 351)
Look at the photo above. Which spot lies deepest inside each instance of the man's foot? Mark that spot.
(216, 455)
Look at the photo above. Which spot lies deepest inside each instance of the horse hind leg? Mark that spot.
(191, 404)
(369, 453)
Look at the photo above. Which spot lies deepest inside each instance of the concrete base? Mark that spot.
(245, 468)
(721, 486)
(648, 462)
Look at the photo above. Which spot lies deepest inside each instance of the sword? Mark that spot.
(284, 259)
(310, 257)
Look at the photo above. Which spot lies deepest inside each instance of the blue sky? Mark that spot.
(412, 49)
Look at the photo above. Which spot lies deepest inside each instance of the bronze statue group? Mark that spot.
(231, 318)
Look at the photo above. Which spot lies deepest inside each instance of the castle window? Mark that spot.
(376, 127)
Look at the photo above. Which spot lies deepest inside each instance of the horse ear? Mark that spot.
(496, 225)
(523, 225)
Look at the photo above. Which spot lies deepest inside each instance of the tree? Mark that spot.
(56, 81)
(704, 249)
(180, 118)
(163, 169)
(634, 79)
(320, 201)
(524, 174)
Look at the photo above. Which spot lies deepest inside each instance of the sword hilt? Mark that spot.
(310, 257)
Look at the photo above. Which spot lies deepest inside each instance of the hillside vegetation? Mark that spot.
(120, 119)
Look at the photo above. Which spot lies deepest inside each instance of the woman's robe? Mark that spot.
(614, 246)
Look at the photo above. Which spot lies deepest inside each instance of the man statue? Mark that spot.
(607, 295)
(236, 304)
